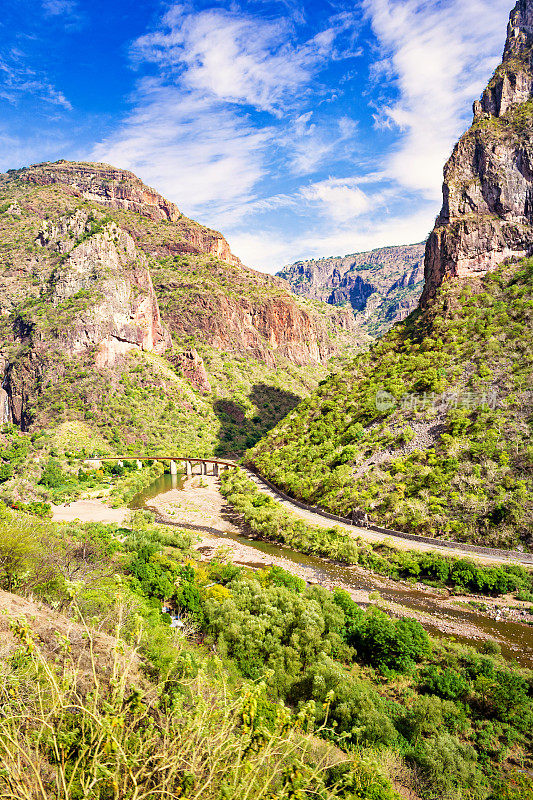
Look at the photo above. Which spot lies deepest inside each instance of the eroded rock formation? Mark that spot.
(382, 286)
(487, 211)
(121, 189)
(108, 276)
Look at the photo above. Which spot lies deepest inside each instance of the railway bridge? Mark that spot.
(189, 463)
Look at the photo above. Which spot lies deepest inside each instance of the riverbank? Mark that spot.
(89, 511)
(200, 507)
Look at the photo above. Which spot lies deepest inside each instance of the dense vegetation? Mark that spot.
(429, 431)
(269, 520)
(305, 694)
(50, 467)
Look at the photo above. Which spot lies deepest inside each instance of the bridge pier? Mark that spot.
(215, 469)
(204, 467)
(139, 464)
(188, 468)
(173, 468)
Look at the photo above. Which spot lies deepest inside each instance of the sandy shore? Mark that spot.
(89, 511)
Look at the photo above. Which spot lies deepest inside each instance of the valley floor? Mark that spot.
(89, 511)
(200, 507)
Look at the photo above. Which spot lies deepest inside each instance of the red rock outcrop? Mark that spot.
(121, 189)
(201, 289)
(266, 328)
(487, 211)
(193, 369)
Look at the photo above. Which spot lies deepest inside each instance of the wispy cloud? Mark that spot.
(261, 249)
(195, 151)
(56, 7)
(236, 117)
(341, 199)
(191, 130)
(17, 80)
(437, 56)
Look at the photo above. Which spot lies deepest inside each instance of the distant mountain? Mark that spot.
(382, 286)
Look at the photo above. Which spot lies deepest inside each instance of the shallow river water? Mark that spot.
(516, 639)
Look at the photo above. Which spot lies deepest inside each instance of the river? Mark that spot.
(516, 639)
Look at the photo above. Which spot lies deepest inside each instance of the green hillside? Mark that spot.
(430, 430)
(233, 352)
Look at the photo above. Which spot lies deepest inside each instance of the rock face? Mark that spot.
(98, 299)
(192, 368)
(107, 269)
(265, 327)
(95, 265)
(121, 189)
(382, 286)
(487, 211)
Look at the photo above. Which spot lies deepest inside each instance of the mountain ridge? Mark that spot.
(113, 318)
(382, 286)
(429, 432)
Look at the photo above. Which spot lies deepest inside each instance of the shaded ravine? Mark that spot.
(516, 639)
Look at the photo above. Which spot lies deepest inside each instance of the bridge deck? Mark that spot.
(196, 459)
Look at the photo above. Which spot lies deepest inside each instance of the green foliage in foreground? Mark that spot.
(66, 736)
(457, 377)
(340, 696)
(270, 520)
(370, 683)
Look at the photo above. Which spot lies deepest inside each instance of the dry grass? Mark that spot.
(70, 729)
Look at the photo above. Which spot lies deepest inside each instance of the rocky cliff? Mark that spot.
(487, 210)
(122, 190)
(96, 267)
(429, 431)
(382, 286)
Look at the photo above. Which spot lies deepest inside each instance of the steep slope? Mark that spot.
(430, 431)
(382, 286)
(120, 313)
(487, 213)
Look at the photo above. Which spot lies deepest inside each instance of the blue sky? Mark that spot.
(298, 129)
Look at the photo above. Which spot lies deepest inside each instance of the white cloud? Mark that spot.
(270, 250)
(17, 151)
(235, 58)
(17, 80)
(234, 113)
(308, 144)
(190, 133)
(341, 199)
(440, 54)
(192, 150)
(56, 7)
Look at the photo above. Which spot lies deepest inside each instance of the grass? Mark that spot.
(66, 736)
(270, 521)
